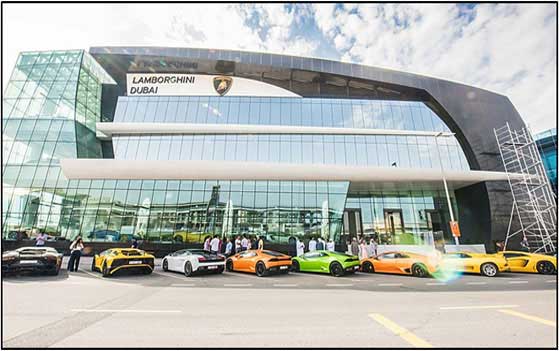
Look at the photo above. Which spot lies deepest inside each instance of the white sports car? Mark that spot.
(191, 261)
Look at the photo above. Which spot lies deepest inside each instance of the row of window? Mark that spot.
(351, 113)
(302, 149)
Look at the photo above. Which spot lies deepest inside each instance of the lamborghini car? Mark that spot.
(32, 259)
(261, 262)
(530, 262)
(114, 260)
(399, 262)
(194, 261)
(488, 265)
(322, 261)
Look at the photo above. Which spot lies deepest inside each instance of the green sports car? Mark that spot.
(322, 261)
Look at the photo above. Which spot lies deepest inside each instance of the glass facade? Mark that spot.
(547, 146)
(53, 102)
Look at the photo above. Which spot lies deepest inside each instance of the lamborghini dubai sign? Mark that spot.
(168, 84)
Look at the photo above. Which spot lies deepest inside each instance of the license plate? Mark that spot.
(283, 267)
(134, 262)
(28, 261)
(212, 267)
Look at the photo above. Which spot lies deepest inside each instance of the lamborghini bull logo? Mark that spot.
(222, 84)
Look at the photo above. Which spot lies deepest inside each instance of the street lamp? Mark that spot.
(445, 185)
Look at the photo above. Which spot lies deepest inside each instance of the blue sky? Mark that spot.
(506, 48)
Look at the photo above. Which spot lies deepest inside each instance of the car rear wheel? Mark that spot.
(229, 266)
(418, 270)
(489, 269)
(93, 268)
(188, 269)
(260, 269)
(368, 267)
(105, 270)
(295, 266)
(545, 267)
(220, 270)
(336, 269)
(54, 271)
(165, 265)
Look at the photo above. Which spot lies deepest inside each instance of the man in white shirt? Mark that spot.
(214, 245)
(244, 244)
(312, 245)
(300, 247)
(237, 245)
(330, 246)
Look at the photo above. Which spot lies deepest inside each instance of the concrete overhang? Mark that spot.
(361, 178)
(105, 130)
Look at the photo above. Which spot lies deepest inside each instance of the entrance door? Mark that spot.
(434, 222)
(353, 227)
(394, 224)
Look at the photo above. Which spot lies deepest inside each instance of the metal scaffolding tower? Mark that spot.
(534, 202)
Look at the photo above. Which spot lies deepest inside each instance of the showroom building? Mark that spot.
(173, 144)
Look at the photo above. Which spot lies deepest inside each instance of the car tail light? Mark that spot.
(201, 259)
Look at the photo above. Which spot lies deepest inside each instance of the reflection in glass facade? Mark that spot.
(53, 102)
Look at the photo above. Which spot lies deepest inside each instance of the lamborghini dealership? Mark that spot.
(173, 144)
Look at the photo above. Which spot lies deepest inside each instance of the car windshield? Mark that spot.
(200, 252)
(272, 253)
(35, 251)
(131, 252)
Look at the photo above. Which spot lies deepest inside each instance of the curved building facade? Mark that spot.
(173, 144)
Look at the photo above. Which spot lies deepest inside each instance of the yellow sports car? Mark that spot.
(112, 260)
(530, 262)
(470, 262)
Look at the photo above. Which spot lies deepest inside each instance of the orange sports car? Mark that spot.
(399, 262)
(260, 262)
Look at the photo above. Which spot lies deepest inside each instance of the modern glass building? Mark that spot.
(547, 146)
(173, 144)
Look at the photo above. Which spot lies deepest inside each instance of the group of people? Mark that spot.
(362, 249)
(233, 246)
(314, 245)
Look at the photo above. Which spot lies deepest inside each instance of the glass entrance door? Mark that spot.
(353, 226)
(394, 224)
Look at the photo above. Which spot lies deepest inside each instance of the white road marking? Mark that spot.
(123, 311)
(171, 275)
(551, 281)
(233, 285)
(476, 283)
(99, 276)
(390, 284)
(285, 285)
(244, 275)
(339, 284)
(435, 284)
(183, 284)
(476, 307)
(518, 282)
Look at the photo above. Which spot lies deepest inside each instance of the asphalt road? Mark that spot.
(166, 309)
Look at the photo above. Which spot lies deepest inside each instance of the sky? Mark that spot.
(510, 49)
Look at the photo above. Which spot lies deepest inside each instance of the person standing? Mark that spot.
(135, 244)
(41, 239)
(238, 244)
(373, 247)
(330, 246)
(312, 244)
(292, 246)
(228, 247)
(260, 243)
(363, 250)
(75, 253)
(300, 247)
(354, 246)
(214, 245)
(244, 243)
(207, 243)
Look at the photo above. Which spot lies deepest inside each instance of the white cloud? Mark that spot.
(507, 48)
